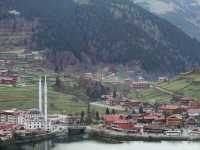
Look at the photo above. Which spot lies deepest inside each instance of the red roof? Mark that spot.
(152, 117)
(112, 118)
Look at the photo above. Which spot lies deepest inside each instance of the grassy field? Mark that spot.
(27, 97)
(184, 85)
(150, 95)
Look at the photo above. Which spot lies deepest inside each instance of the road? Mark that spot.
(99, 104)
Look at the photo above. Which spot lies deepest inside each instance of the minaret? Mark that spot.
(45, 103)
(40, 95)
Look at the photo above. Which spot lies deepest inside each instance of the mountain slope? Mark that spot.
(108, 31)
(182, 13)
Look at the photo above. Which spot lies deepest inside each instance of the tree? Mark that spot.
(97, 116)
(114, 93)
(113, 111)
(82, 116)
(107, 111)
(89, 118)
(141, 110)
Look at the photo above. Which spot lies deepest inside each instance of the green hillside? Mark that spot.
(187, 84)
(27, 97)
(150, 95)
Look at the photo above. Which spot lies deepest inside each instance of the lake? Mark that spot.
(94, 145)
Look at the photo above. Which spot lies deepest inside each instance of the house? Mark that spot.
(9, 116)
(153, 129)
(129, 104)
(151, 118)
(88, 76)
(140, 85)
(193, 112)
(125, 126)
(109, 119)
(3, 72)
(32, 119)
(8, 80)
(191, 122)
(148, 108)
(175, 120)
(163, 79)
(170, 109)
(9, 63)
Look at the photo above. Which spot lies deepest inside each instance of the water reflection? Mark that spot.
(80, 144)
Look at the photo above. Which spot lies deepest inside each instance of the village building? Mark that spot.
(32, 119)
(125, 126)
(163, 79)
(3, 72)
(7, 63)
(175, 120)
(153, 129)
(152, 119)
(9, 116)
(148, 108)
(109, 119)
(194, 112)
(191, 122)
(140, 85)
(170, 109)
(8, 80)
(88, 76)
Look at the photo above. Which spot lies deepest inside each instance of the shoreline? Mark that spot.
(31, 139)
(105, 135)
(121, 136)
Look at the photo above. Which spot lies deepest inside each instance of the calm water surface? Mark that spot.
(93, 145)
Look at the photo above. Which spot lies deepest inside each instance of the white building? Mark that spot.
(32, 119)
(37, 118)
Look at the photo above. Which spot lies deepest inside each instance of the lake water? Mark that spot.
(94, 145)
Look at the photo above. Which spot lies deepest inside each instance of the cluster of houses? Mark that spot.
(37, 119)
(5, 76)
(33, 120)
(174, 118)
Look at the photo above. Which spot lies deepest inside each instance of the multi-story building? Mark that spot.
(32, 119)
(9, 116)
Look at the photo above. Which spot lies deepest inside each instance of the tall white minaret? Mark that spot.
(45, 103)
(40, 95)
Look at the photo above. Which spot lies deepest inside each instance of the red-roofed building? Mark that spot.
(125, 125)
(151, 118)
(174, 120)
(109, 119)
(169, 108)
(8, 80)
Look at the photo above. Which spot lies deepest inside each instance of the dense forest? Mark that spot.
(106, 31)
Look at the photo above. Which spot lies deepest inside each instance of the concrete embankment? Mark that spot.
(121, 136)
(32, 139)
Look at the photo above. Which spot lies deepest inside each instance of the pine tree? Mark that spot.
(107, 111)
